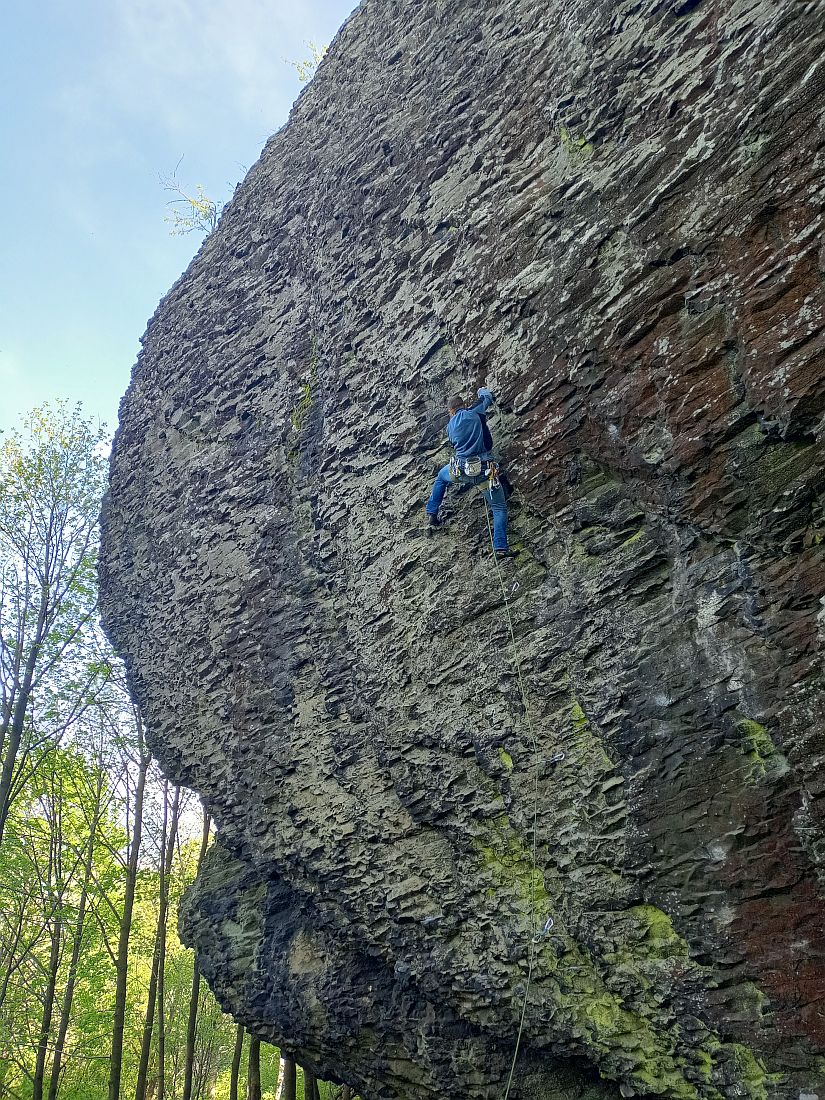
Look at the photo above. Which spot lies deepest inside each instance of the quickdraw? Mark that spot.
(493, 481)
(539, 936)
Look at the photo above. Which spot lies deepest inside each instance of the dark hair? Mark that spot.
(455, 403)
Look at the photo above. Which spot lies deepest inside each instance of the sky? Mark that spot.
(102, 98)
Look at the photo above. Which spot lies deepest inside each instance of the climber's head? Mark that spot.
(454, 404)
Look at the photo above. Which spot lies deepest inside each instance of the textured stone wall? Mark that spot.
(611, 213)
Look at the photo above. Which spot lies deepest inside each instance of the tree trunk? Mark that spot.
(236, 1063)
(311, 1086)
(253, 1074)
(158, 956)
(71, 978)
(48, 1009)
(192, 1024)
(346, 1093)
(288, 1085)
(126, 926)
(166, 872)
(160, 1092)
(14, 733)
(279, 1084)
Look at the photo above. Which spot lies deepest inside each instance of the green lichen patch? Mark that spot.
(659, 938)
(624, 1042)
(509, 860)
(759, 741)
(634, 539)
(585, 739)
(760, 750)
(577, 147)
(750, 1070)
(577, 715)
(610, 999)
(301, 409)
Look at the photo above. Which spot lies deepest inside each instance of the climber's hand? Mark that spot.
(484, 392)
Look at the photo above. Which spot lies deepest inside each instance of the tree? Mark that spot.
(253, 1073)
(156, 982)
(52, 865)
(311, 1086)
(194, 998)
(189, 213)
(122, 961)
(53, 878)
(86, 920)
(240, 1035)
(51, 483)
(287, 1084)
(306, 67)
(94, 808)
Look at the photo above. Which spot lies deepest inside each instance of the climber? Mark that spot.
(472, 465)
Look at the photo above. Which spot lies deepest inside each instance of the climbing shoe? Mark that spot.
(506, 554)
(433, 520)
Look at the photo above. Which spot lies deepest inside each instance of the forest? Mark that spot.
(98, 996)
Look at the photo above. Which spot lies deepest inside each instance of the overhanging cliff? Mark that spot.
(611, 213)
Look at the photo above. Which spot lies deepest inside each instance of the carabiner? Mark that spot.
(539, 936)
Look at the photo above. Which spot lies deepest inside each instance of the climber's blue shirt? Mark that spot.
(465, 430)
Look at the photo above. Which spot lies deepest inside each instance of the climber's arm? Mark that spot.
(486, 400)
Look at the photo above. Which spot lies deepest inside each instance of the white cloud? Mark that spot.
(180, 60)
(154, 79)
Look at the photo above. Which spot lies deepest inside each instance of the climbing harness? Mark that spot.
(538, 934)
(474, 469)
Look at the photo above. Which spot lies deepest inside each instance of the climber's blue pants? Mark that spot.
(494, 497)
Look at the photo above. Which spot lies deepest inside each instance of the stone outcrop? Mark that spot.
(611, 213)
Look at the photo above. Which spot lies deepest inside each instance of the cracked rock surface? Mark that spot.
(612, 214)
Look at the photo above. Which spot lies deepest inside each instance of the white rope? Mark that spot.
(534, 846)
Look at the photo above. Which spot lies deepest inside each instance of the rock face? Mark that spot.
(609, 212)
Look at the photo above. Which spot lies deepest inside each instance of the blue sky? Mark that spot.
(101, 98)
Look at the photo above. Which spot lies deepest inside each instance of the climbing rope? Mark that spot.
(537, 935)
